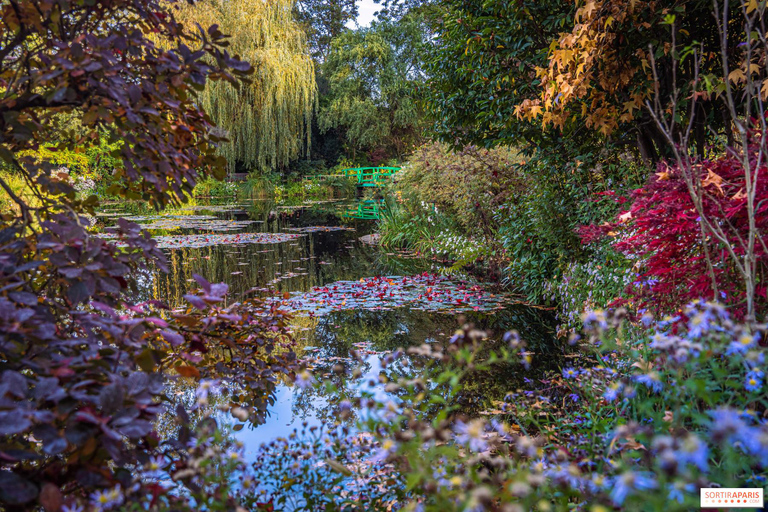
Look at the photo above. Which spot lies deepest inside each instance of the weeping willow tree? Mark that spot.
(267, 122)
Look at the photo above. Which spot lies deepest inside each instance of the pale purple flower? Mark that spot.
(387, 448)
(205, 388)
(471, 435)
(570, 372)
(154, 468)
(527, 446)
(104, 500)
(304, 379)
(630, 482)
(234, 456)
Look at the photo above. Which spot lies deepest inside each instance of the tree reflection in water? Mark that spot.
(341, 341)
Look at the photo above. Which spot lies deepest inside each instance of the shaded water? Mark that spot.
(318, 258)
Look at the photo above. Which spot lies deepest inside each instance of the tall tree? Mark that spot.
(324, 21)
(267, 121)
(374, 75)
(483, 65)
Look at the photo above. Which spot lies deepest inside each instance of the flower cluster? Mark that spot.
(84, 184)
(587, 285)
(632, 423)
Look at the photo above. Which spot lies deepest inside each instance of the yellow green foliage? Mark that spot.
(96, 160)
(268, 121)
(71, 159)
(468, 184)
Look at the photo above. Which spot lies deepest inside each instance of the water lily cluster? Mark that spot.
(425, 291)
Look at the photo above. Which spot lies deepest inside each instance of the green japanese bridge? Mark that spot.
(365, 176)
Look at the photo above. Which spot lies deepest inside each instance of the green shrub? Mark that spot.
(446, 202)
(428, 230)
(468, 185)
(589, 285)
(211, 187)
(90, 166)
(538, 225)
(257, 186)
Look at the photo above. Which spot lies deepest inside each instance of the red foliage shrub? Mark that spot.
(662, 231)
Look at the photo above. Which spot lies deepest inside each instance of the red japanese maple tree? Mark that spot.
(680, 262)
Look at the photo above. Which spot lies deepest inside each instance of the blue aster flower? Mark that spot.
(613, 392)
(647, 319)
(755, 440)
(754, 380)
(745, 342)
(594, 320)
(694, 451)
(727, 425)
(630, 482)
(570, 372)
(698, 325)
(666, 322)
(677, 491)
(651, 380)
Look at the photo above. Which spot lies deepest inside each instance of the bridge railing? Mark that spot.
(366, 176)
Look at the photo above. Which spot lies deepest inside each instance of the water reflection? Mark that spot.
(316, 259)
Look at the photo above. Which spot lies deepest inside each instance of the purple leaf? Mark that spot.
(196, 301)
(136, 429)
(13, 422)
(175, 339)
(204, 284)
(15, 490)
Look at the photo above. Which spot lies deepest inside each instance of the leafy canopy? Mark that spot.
(267, 120)
(374, 74)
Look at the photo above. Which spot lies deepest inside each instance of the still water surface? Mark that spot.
(324, 255)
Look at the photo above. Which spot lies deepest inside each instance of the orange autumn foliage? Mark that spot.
(592, 71)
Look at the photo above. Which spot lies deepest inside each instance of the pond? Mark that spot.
(346, 294)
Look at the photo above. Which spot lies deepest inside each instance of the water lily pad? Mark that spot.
(319, 229)
(426, 292)
(196, 241)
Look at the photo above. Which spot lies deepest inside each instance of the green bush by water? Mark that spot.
(510, 212)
